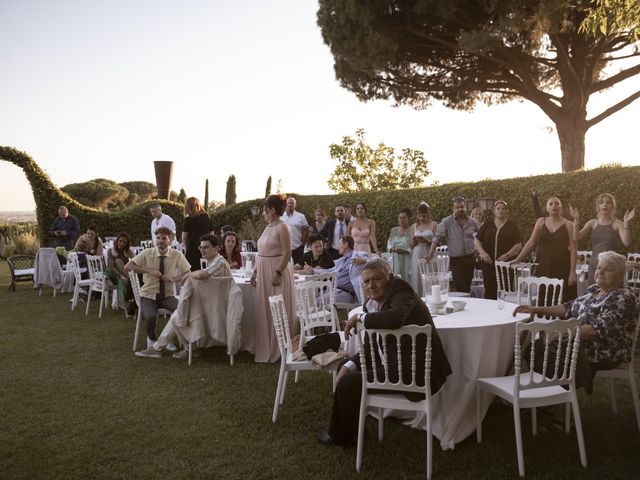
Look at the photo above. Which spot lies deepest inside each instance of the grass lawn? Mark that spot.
(77, 403)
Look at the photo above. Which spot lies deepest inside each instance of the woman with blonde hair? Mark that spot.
(196, 224)
(422, 234)
(606, 230)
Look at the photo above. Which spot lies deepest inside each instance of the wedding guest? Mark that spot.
(230, 250)
(315, 257)
(399, 244)
(498, 239)
(556, 257)
(160, 220)
(320, 220)
(607, 231)
(90, 243)
(478, 215)
(363, 230)
(298, 228)
(64, 229)
(118, 256)
(273, 275)
(196, 224)
(423, 234)
(334, 230)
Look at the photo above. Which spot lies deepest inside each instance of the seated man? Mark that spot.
(316, 257)
(349, 269)
(160, 266)
(217, 266)
(391, 304)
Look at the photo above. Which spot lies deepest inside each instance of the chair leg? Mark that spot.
(634, 395)
(361, 419)
(297, 375)
(89, 295)
(380, 424)
(76, 292)
(576, 416)
(429, 443)
(190, 350)
(40, 291)
(518, 430)
(102, 302)
(284, 386)
(534, 421)
(231, 360)
(478, 414)
(567, 417)
(135, 335)
(612, 395)
(277, 401)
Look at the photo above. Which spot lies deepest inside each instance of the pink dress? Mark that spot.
(268, 260)
(361, 238)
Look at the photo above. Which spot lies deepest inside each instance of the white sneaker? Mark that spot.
(150, 343)
(171, 347)
(149, 353)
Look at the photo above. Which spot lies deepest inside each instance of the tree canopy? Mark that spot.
(362, 167)
(461, 52)
(105, 194)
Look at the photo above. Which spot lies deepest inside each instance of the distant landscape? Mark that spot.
(17, 217)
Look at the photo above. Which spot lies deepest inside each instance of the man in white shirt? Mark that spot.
(160, 220)
(298, 227)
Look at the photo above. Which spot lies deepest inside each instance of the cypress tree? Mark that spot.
(230, 197)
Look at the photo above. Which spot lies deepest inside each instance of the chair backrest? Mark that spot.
(540, 291)
(135, 286)
(505, 277)
(95, 265)
(632, 279)
(442, 248)
(280, 323)
(72, 260)
(438, 264)
(560, 371)
(583, 257)
(406, 377)
(330, 279)
(315, 308)
(21, 262)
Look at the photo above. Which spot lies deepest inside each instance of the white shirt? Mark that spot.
(296, 222)
(336, 233)
(372, 306)
(164, 221)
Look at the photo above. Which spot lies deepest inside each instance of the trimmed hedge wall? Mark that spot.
(576, 188)
(135, 220)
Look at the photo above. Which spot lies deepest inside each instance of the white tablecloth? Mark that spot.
(479, 343)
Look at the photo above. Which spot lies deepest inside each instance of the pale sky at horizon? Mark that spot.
(102, 89)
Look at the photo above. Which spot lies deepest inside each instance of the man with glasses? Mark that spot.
(161, 267)
(457, 232)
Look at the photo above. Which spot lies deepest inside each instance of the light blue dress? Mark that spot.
(401, 262)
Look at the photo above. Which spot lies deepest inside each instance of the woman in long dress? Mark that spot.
(606, 230)
(399, 244)
(556, 248)
(363, 230)
(196, 224)
(273, 276)
(422, 234)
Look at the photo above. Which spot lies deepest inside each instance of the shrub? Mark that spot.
(26, 244)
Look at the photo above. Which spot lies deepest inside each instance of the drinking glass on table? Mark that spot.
(501, 295)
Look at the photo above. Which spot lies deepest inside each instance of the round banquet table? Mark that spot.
(479, 342)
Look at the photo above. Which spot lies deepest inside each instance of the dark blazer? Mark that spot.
(402, 306)
(327, 233)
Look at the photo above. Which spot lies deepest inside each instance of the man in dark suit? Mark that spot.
(391, 304)
(333, 230)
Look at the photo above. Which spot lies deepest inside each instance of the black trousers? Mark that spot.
(462, 271)
(150, 311)
(297, 254)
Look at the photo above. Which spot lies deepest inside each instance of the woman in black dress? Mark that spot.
(196, 224)
(498, 239)
(556, 257)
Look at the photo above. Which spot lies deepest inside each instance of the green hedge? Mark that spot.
(576, 188)
(134, 220)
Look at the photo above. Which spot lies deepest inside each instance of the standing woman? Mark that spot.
(231, 250)
(399, 244)
(605, 229)
(273, 276)
(498, 239)
(363, 230)
(422, 234)
(556, 257)
(318, 223)
(196, 224)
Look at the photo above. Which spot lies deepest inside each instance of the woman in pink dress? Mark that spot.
(273, 276)
(363, 230)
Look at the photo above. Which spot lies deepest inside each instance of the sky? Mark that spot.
(94, 89)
